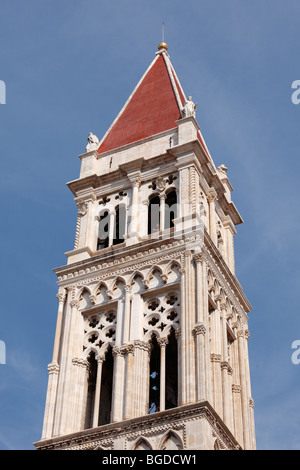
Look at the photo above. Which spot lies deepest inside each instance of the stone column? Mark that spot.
(61, 297)
(225, 368)
(199, 335)
(229, 232)
(162, 211)
(68, 370)
(79, 393)
(181, 344)
(212, 198)
(180, 367)
(129, 354)
(134, 208)
(141, 378)
(199, 331)
(208, 379)
(236, 390)
(53, 371)
(244, 389)
(144, 219)
(118, 385)
(230, 400)
(251, 402)
(85, 233)
(237, 413)
(216, 359)
(111, 228)
(82, 211)
(253, 440)
(100, 360)
(187, 322)
(162, 399)
(127, 314)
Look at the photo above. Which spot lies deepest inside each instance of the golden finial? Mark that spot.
(163, 45)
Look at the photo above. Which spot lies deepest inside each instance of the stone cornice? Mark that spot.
(151, 423)
(124, 260)
(117, 179)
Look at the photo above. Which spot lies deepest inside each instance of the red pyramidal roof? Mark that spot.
(154, 106)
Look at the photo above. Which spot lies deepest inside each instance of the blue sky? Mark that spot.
(69, 67)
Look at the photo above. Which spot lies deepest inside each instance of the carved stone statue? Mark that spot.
(93, 142)
(189, 108)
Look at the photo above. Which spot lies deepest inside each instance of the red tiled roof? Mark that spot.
(152, 109)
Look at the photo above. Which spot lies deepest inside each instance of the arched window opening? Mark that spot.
(142, 444)
(154, 388)
(171, 442)
(120, 227)
(92, 376)
(103, 231)
(171, 372)
(106, 388)
(153, 215)
(170, 209)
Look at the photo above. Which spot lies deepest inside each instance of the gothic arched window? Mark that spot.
(171, 372)
(103, 231)
(120, 224)
(98, 414)
(163, 381)
(154, 386)
(153, 214)
(170, 209)
(106, 388)
(92, 377)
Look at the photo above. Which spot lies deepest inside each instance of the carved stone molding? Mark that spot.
(117, 351)
(212, 195)
(199, 257)
(225, 365)
(62, 293)
(79, 362)
(127, 349)
(142, 345)
(135, 180)
(236, 388)
(74, 304)
(215, 357)
(156, 425)
(82, 208)
(53, 368)
(199, 329)
(162, 342)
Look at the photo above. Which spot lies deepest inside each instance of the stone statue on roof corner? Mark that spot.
(93, 142)
(189, 108)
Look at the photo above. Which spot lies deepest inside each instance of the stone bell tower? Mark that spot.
(150, 347)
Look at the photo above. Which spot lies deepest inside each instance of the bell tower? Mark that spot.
(150, 348)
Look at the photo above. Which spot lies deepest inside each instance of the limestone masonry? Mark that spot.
(150, 347)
